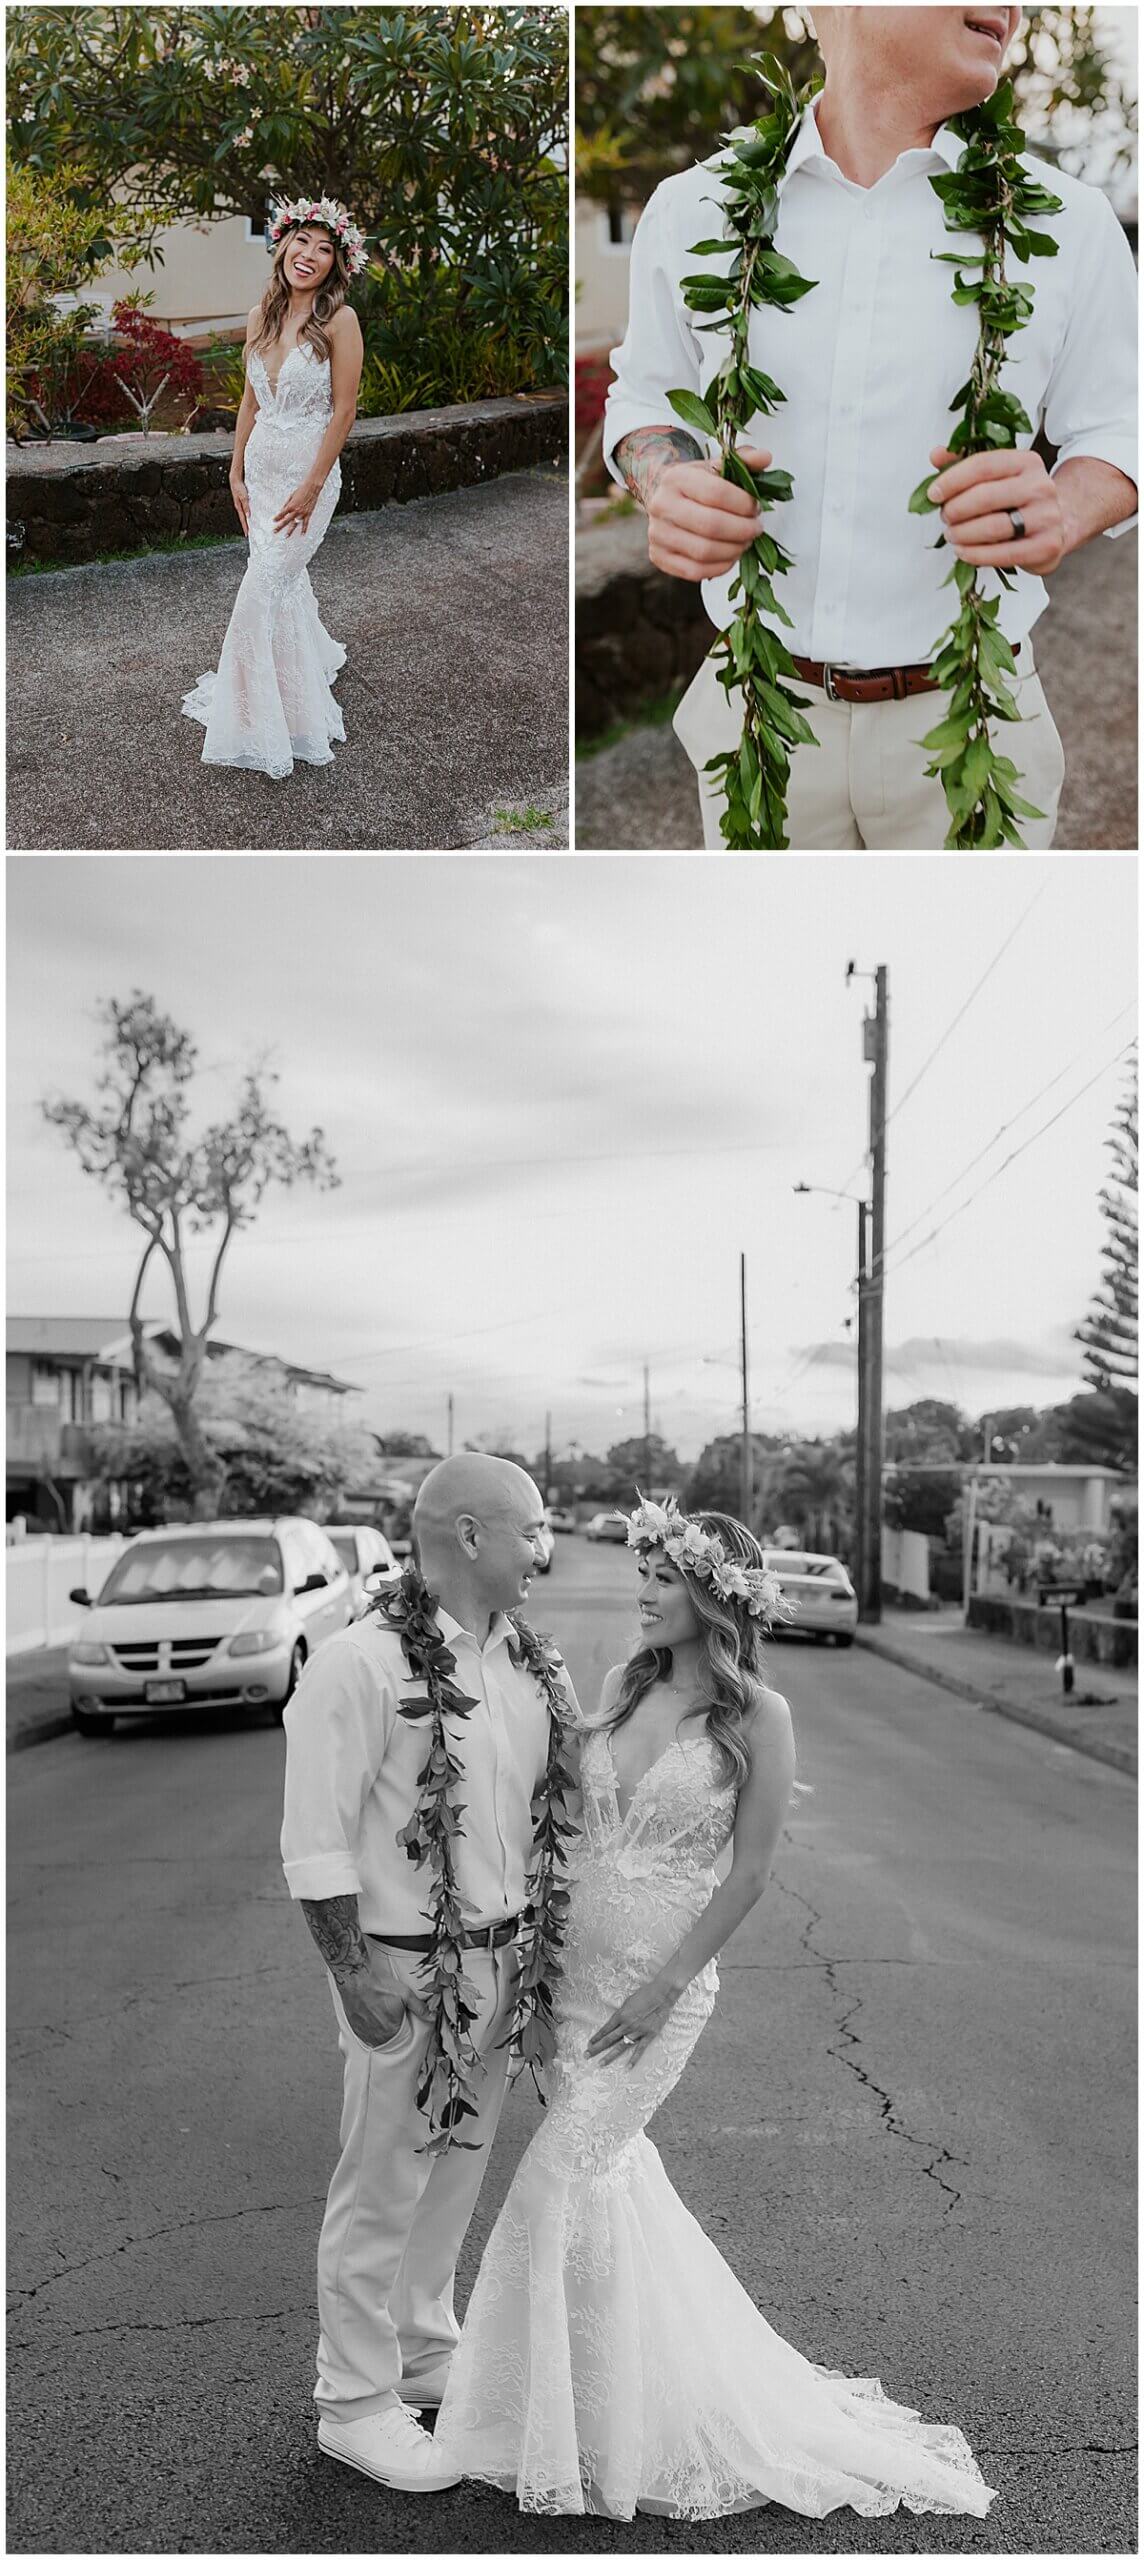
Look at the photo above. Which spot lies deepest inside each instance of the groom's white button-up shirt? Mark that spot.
(869, 363)
(352, 1777)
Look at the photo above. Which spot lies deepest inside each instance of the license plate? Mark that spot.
(165, 1693)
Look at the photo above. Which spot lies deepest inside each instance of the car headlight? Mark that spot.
(90, 1653)
(256, 1640)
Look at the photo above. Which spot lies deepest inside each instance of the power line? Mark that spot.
(1006, 1126)
(960, 1015)
(951, 1027)
(998, 1170)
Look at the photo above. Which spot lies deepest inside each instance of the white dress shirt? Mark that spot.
(352, 1777)
(869, 363)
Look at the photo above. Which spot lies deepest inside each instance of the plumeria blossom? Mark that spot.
(333, 217)
(698, 1551)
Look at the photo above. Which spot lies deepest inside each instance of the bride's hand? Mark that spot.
(299, 507)
(241, 502)
(632, 2026)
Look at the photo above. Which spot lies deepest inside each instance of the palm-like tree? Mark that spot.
(814, 1490)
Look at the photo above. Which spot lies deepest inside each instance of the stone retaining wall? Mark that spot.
(638, 634)
(69, 502)
(1093, 1637)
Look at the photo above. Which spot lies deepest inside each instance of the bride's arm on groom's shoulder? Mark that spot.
(759, 1816)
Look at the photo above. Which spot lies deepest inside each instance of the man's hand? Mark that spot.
(974, 494)
(697, 522)
(374, 2008)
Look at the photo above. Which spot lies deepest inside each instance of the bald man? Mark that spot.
(869, 364)
(395, 2220)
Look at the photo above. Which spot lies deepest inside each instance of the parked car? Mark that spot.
(545, 1545)
(221, 1613)
(367, 1556)
(612, 1525)
(561, 1519)
(827, 1603)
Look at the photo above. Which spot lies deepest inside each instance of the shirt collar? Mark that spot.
(807, 144)
(452, 1629)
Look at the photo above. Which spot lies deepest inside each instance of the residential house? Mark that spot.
(68, 1374)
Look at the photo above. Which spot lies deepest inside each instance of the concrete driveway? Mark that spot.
(454, 614)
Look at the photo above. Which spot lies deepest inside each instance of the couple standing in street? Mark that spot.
(496, 1878)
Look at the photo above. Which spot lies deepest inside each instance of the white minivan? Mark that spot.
(221, 1613)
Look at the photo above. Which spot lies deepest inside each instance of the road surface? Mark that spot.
(909, 2127)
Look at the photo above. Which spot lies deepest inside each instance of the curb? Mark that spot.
(1091, 1746)
(51, 1730)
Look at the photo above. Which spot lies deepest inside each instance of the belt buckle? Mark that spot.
(828, 684)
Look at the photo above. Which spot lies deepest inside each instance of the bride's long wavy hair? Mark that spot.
(730, 1655)
(329, 297)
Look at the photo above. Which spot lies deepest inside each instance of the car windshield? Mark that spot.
(810, 1568)
(345, 1544)
(206, 1568)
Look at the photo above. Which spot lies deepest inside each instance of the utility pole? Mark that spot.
(547, 1456)
(745, 1485)
(861, 1575)
(449, 1431)
(646, 1428)
(875, 1050)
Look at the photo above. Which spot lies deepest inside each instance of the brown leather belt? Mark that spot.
(497, 1934)
(873, 684)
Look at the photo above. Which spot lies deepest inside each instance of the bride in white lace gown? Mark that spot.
(270, 702)
(609, 2358)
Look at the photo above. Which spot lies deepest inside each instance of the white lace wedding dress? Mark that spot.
(270, 701)
(609, 2359)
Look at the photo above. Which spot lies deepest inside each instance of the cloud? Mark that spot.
(1055, 1355)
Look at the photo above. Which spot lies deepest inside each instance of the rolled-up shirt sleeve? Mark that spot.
(1090, 400)
(338, 1724)
(661, 352)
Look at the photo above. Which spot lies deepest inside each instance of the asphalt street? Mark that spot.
(909, 2126)
(453, 613)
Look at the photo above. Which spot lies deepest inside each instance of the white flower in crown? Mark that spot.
(332, 216)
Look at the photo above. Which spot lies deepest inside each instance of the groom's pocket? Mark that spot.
(706, 723)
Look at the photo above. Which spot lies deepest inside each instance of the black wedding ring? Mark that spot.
(1017, 521)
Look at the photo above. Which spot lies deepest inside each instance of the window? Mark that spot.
(46, 1383)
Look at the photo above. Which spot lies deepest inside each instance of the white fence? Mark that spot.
(905, 1562)
(40, 1573)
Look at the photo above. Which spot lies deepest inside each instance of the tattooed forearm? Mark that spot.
(647, 451)
(336, 1931)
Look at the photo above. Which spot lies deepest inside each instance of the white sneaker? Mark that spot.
(424, 2390)
(388, 2446)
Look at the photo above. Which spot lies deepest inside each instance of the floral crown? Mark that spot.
(700, 1552)
(333, 218)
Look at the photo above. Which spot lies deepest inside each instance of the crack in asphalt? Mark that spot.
(167, 2231)
(170, 2328)
(828, 1966)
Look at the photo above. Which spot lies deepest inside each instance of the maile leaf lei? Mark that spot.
(446, 2088)
(989, 193)
(755, 663)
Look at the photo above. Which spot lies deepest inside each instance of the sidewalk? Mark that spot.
(37, 1696)
(454, 613)
(1014, 1681)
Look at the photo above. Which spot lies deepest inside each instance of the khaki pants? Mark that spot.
(864, 785)
(395, 2220)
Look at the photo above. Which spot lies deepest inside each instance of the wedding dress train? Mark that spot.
(270, 701)
(609, 2359)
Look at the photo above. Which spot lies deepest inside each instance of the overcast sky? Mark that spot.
(565, 1092)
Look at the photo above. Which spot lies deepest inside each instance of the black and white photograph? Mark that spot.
(572, 1703)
